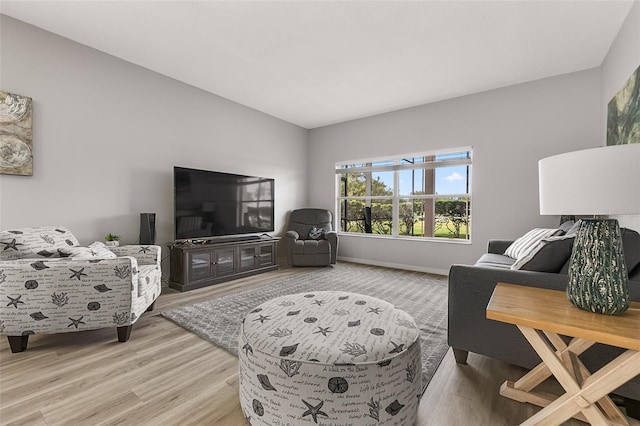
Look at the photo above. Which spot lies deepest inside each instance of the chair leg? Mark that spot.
(151, 306)
(18, 343)
(124, 333)
(460, 356)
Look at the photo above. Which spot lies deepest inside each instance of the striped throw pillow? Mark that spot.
(528, 242)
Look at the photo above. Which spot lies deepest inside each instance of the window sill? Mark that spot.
(397, 238)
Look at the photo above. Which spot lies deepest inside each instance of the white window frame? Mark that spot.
(396, 166)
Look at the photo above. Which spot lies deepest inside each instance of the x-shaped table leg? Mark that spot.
(583, 390)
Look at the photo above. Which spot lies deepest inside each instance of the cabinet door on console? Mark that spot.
(200, 266)
(247, 258)
(225, 261)
(266, 255)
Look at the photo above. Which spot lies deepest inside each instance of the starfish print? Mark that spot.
(14, 301)
(318, 302)
(374, 311)
(323, 331)
(396, 348)
(263, 318)
(76, 322)
(78, 274)
(314, 411)
(11, 245)
(144, 249)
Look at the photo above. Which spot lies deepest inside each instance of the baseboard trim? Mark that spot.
(395, 265)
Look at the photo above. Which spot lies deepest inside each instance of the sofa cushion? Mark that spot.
(97, 250)
(549, 255)
(574, 229)
(39, 242)
(316, 247)
(491, 260)
(566, 226)
(528, 242)
(303, 220)
(631, 246)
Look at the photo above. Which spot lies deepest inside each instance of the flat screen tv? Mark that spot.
(210, 204)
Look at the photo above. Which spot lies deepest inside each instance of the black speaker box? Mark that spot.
(147, 228)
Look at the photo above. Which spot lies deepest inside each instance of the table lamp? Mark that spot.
(599, 181)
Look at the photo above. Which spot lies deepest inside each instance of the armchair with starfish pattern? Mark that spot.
(50, 284)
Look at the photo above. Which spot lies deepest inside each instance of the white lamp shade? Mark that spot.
(597, 181)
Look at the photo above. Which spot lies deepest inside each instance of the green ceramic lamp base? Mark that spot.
(598, 279)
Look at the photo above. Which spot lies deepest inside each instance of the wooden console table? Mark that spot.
(542, 316)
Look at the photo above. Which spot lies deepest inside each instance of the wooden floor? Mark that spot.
(165, 375)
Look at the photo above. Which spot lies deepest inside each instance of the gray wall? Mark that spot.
(107, 133)
(622, 59)
(510, 129)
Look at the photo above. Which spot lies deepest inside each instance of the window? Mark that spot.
(425, 195)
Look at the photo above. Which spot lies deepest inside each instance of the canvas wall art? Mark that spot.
(623, 113)
(16, 148)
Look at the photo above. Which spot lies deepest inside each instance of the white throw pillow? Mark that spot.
(529, 241)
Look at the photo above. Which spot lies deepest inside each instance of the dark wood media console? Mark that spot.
(200, 265)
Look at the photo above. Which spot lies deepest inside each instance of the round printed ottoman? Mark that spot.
(329, 358)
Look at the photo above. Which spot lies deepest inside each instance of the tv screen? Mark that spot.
(213, 204)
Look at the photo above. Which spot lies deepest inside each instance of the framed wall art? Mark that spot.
(16, 147)
(623, 113)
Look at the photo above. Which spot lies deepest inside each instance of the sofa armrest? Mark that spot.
(498, 246)
(144, 254)
(470, 288)
(332, 237)
(293, 235)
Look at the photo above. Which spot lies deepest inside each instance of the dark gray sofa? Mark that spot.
(470, 288)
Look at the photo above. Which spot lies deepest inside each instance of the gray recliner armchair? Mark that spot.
(311, 240)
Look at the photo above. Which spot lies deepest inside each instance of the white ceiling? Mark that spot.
(316, 63)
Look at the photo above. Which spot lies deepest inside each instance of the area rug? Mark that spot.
(423, 296)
